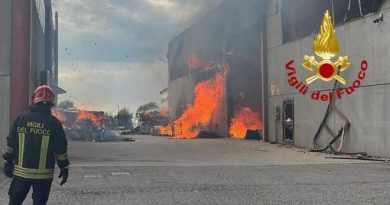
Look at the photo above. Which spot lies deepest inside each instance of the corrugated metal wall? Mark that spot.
(230, 34)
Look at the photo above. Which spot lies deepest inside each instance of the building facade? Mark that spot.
(5, 68)
(28, 47)
(361, 33)
(263, 43)
(220, 44)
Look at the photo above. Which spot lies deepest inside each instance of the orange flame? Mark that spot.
(198, 115)
(244, 119)
(166, 131)
(89, 116)
(194, 62)
(59, 116)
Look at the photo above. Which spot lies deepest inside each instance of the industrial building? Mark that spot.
(226, 36)
(28, 56)
(260, 40)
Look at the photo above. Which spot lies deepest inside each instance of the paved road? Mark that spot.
(155, 170)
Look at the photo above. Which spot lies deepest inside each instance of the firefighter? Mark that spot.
(35, 142)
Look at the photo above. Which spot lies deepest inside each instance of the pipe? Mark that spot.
(339, 134)
(325, 116)
(264, 82)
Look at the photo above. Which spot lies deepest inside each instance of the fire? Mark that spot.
(166, 131)
(207, 98)
(89, 116)
(194, 62)
(198, 115)
(59, 116)
(244, 119)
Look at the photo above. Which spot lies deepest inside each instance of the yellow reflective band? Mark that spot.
(33, 176)
(43, 155)
(61, 157)
(9, 149)
(21, 148)
(33, 171)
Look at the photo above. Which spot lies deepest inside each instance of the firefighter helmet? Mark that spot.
(43, 94)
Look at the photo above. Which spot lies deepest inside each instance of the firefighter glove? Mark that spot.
(8, 169)
(64, 175)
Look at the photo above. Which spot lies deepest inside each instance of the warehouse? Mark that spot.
(226, 42)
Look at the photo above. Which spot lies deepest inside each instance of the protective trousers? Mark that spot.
(19, 189)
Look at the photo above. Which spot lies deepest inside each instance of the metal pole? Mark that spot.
(264, 82)
(56, 50)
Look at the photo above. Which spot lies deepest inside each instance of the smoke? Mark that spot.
(104, 86)
(123, 30)
(111, 52)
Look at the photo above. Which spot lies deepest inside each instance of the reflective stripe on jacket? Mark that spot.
(36, 141)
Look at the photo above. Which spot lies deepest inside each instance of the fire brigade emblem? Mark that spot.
(326, 47)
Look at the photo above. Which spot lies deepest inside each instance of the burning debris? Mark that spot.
(208, 98)
(60, 117)
(245, 119)
(148, 120)
(193, 62)
(166, 131)
(196, 64)
(82, 125)
(94, 119)
(197, 116)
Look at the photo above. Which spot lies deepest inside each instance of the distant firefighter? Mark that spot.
(35, 142)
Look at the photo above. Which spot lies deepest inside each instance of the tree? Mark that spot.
(111, 121)
(125, 118)
(147, 107)
(66, 104)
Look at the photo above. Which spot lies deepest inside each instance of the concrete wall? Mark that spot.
(366, 108)
(5, 69)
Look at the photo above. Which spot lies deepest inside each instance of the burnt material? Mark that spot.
(207, 135)
(329, 146)
(253, 135)
(220, 41)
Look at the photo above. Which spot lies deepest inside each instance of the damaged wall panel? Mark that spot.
(244, 85)
(300, 18)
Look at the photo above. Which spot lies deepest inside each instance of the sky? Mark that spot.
(112, 52)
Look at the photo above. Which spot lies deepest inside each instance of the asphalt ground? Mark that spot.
(158, 170)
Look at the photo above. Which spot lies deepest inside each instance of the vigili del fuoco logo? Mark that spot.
(324, 68)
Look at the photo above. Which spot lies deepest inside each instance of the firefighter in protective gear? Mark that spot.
(35, 142)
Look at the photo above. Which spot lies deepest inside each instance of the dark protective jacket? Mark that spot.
(35, 142)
